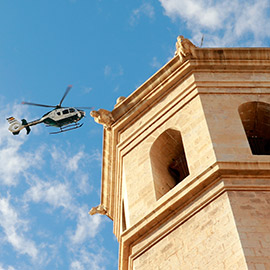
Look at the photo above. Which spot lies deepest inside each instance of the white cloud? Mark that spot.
(73, 162)
(88, 260)
(14, 229)
(6, 268)
(13, 160)
(83, 184)
(96, 156)
(224, 23)
(199, 12)
(14, 163)
(61, 195)
(68, 161)
(87, 226)
(146, 9)
(76, 265)
(54, 193)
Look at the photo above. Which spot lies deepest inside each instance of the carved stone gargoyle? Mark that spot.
(100, 209)
(103, 117)
(184, 48)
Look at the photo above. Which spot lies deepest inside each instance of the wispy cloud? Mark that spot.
(71, 162)
(89, 260)
(61, 195)
(14, 228)
(87, 226)
(155, 63)
(107, 70)
(113, 71)
(15, 161)
(224, 23)
(6, 268)
(146, 9)
(87, 90)
(96, 155)
(83, 183)
(54, 193)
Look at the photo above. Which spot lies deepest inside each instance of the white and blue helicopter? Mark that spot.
(64, 118)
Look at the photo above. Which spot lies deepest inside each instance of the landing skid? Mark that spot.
(67, 128)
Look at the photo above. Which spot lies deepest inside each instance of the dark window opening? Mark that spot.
(71, 110)
(124, 225)
(65, 111)
(255, 118)
(178, 168)
(168, 161)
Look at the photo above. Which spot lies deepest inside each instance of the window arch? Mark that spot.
(255, 118)
(168, 161)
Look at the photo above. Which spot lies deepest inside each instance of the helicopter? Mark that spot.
(64, 118)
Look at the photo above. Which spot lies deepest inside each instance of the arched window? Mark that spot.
(168, 161)
(255, 117)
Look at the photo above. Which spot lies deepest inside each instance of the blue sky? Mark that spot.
(105, 49)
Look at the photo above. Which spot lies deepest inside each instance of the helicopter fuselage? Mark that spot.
(62, 116)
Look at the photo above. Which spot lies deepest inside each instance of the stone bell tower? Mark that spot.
(186, 163)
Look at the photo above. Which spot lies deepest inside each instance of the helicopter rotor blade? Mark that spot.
(64, 96)
(36, 104)
(85, 108)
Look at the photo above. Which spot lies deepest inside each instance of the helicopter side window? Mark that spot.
(58, 113)
(71, 110)
(65, 111)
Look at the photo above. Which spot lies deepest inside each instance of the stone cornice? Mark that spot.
(205, 58)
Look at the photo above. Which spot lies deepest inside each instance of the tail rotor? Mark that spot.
(15, 126)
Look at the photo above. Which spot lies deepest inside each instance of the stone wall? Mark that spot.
(208, 240)
(251, 210)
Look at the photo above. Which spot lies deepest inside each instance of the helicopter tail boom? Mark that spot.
(15, 126)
